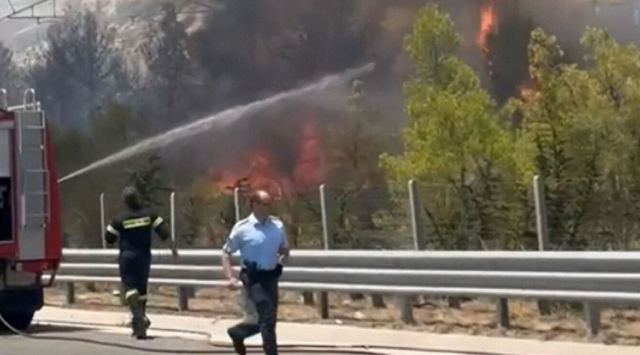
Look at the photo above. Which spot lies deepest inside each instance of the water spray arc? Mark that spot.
(221, 119)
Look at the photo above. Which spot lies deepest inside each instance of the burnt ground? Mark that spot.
(474, 317)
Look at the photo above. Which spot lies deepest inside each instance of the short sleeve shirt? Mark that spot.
(257, 242)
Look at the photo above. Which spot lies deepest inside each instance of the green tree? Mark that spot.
(114, 128)
(8, 72)
(455, 142)
(80, 68)
(565, 136)
(614, 67)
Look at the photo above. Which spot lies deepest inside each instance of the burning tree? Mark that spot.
(356, 180)
(170, 77)
(455, 141)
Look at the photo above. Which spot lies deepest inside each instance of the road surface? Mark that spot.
(103, 343)
(99, 342)
(189, 335)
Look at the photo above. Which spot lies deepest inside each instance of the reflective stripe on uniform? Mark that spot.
(143, 297)
(130, 293)
(136, 223)
(157, 222)
(113, 231)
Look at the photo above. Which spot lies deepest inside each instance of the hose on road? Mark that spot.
(218, 347)
(223, 348)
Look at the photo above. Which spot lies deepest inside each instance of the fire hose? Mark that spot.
(219, 348)
(222, 348)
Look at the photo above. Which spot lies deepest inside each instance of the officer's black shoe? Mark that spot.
(237, 337)
(238, 346)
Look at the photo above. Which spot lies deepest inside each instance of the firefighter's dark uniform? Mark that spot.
(258, 244)
(134, 230)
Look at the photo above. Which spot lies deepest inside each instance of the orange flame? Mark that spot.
(488, 23)
(260, 169)
(311, 166)
(526, 87)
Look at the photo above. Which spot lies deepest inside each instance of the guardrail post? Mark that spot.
(592, 317)
(323, 304)
(503, 313)
(183, 299)
(542, 230)
(70, 294)
(405, 302)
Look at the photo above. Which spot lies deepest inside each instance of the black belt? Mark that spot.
(255, 273)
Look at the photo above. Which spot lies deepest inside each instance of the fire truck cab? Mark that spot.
(30, 231)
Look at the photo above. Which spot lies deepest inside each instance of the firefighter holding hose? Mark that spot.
(262, 243)
(134, 229)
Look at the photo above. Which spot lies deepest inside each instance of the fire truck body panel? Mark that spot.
(30, 230)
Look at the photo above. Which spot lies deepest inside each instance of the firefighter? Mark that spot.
(262, 243)
(134, 228)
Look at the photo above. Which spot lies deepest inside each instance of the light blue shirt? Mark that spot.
(257, 242)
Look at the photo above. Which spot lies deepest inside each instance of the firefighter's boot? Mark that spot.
(147, 321)
(137, 312)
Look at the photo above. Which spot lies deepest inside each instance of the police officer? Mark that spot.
(262, 243)
(133, 228)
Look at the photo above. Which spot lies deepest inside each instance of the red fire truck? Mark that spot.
(30, 231)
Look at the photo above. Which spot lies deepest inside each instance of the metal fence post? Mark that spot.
(236, 202)
(542, 230)
(414, 210)
(405, 302)
(183, 291)
(102, 221)
(103, 225)
(172, 215)
(323, 304)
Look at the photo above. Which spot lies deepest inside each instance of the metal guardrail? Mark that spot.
(591, 277)
(622, 262)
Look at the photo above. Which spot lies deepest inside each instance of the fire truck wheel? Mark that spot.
(20, 321)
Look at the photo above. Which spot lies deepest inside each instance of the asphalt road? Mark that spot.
(100, 343)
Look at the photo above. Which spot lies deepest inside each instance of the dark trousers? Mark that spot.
(263, 292)
(134, 273)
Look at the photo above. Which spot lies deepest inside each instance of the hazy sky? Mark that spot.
(566, 18)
